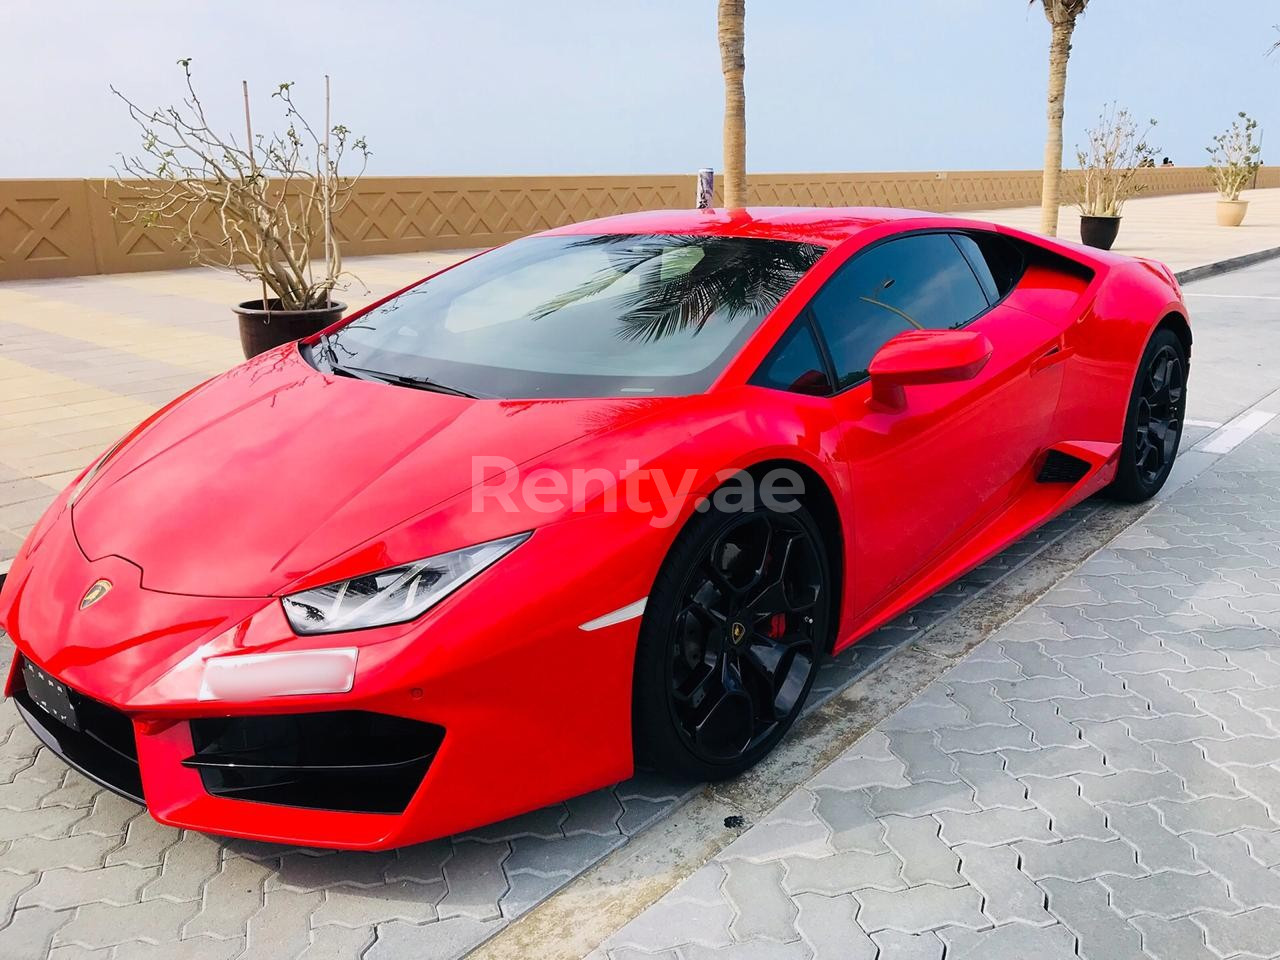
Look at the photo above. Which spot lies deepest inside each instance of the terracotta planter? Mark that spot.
(262, 330)
(1099, 232)
(1231, 212)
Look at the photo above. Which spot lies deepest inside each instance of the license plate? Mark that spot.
(49, 695)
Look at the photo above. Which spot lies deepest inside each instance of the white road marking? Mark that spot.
(1227, 438)
(1212, 424)
(621, 615)
(1230, 296)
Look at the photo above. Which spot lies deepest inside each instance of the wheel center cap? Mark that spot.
(737, 631)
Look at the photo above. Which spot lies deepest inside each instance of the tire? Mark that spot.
(1153, 423)
(705, 704)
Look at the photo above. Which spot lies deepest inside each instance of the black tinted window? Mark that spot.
(915, 283)
(996, 260)
(795, 364)
(580, 316)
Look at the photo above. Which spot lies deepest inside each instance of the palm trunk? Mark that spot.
(731, 21)
(1051, 190)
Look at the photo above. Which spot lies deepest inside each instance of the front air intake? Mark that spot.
(343, 760)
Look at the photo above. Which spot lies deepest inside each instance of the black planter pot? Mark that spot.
(1099, 232)
(262, 330)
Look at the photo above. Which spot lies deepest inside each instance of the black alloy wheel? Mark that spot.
(736, 629)
(1153, 427)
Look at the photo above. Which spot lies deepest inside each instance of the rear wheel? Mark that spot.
(1153, 427)
(733, 633)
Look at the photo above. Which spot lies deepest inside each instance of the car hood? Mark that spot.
(268, 471)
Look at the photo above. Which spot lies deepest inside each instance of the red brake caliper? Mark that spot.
(777, 626)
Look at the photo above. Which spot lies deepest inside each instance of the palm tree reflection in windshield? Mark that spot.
(676, 284)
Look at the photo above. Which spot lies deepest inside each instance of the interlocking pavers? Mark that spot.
(925, 858)
(829, 929)
(1101, 933)
(762, 909)
(1167, 894)
(1254, 932)
(920, 909)
(1008, 894)
(1158, 847)
(1079, 859)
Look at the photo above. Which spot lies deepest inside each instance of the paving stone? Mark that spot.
(336, 943)
(843, 873)
(1104, 707)
(925, 858)
(1250, 881)
(109, 817)
(850, 772)
(563, 856)
(670, 923)
(195, 948)
(1250, 751)
(1131, 786)
(921, 798)
(1008, 895)
(1010, 941)
(475, 880)
(921, 756)
(848, 816)
(985, 738)
(908, 946)
(1055, 762)
(423, 862)
(1178, 939)
(526, 891)
(1069, 815)
(1076, 860)
(454, 937)
(1264, 845)
(1213, 815)
(28, 855)
(597, 813)
(187, 866)
(920, 909)
(827, 926)
(791, 828)
(992, 784)
(1101, 933)
(1167, 894)
(994, 827)
(104, 924)
(62, 887)
(1048, 728)
(1123, 752)
(1254, 932)
(1174, 728)
(761, 908)
(979, 701)
(29, 933)
(1161, 698)
(282, 927)
(306, 870)
(230, 898)
(356, 907)
(1199, 777)
(1158, 847)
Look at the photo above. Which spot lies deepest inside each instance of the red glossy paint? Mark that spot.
(274, 477)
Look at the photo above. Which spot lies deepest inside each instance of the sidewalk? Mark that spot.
(84, 358)
(1100, 778)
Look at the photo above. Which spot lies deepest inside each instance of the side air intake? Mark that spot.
(1059, 467)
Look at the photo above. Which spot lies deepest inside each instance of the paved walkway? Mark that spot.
(1099, 779)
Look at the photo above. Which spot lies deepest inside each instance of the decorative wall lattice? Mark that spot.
(58, 228)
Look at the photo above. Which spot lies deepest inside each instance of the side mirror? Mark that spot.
(924, 356)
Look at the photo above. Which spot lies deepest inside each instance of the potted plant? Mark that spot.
(1233, 161)
(1116, 150)
(263, 208)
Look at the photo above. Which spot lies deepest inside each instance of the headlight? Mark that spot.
(395, 595)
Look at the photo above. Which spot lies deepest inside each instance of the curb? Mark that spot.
(1224, 266)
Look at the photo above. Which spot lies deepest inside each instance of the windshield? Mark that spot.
(579, 316)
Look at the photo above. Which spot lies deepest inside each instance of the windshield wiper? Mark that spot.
(399, 380)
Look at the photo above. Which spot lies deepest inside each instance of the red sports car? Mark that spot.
(600, 497)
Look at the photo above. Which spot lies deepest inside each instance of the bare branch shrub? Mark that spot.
(257, 209)
(1233, 157)
(1115, 151)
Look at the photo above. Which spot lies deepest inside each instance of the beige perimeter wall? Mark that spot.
(59, 228)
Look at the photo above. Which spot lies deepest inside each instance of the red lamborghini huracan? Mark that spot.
(602, 496)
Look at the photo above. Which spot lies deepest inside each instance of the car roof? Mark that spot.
(825, 226)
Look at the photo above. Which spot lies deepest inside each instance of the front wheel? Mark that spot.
(737, 623)
(1153, 426)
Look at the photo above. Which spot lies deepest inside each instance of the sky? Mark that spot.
(476, 87)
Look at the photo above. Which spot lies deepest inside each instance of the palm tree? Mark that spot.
(731, 23)
(1062, 16)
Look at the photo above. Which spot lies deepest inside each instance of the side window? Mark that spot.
(996, 260)
(795, 364)
(913, 283)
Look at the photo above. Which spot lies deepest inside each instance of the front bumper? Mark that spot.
(533, 710)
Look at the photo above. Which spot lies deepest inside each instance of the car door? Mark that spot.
(930, 473)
